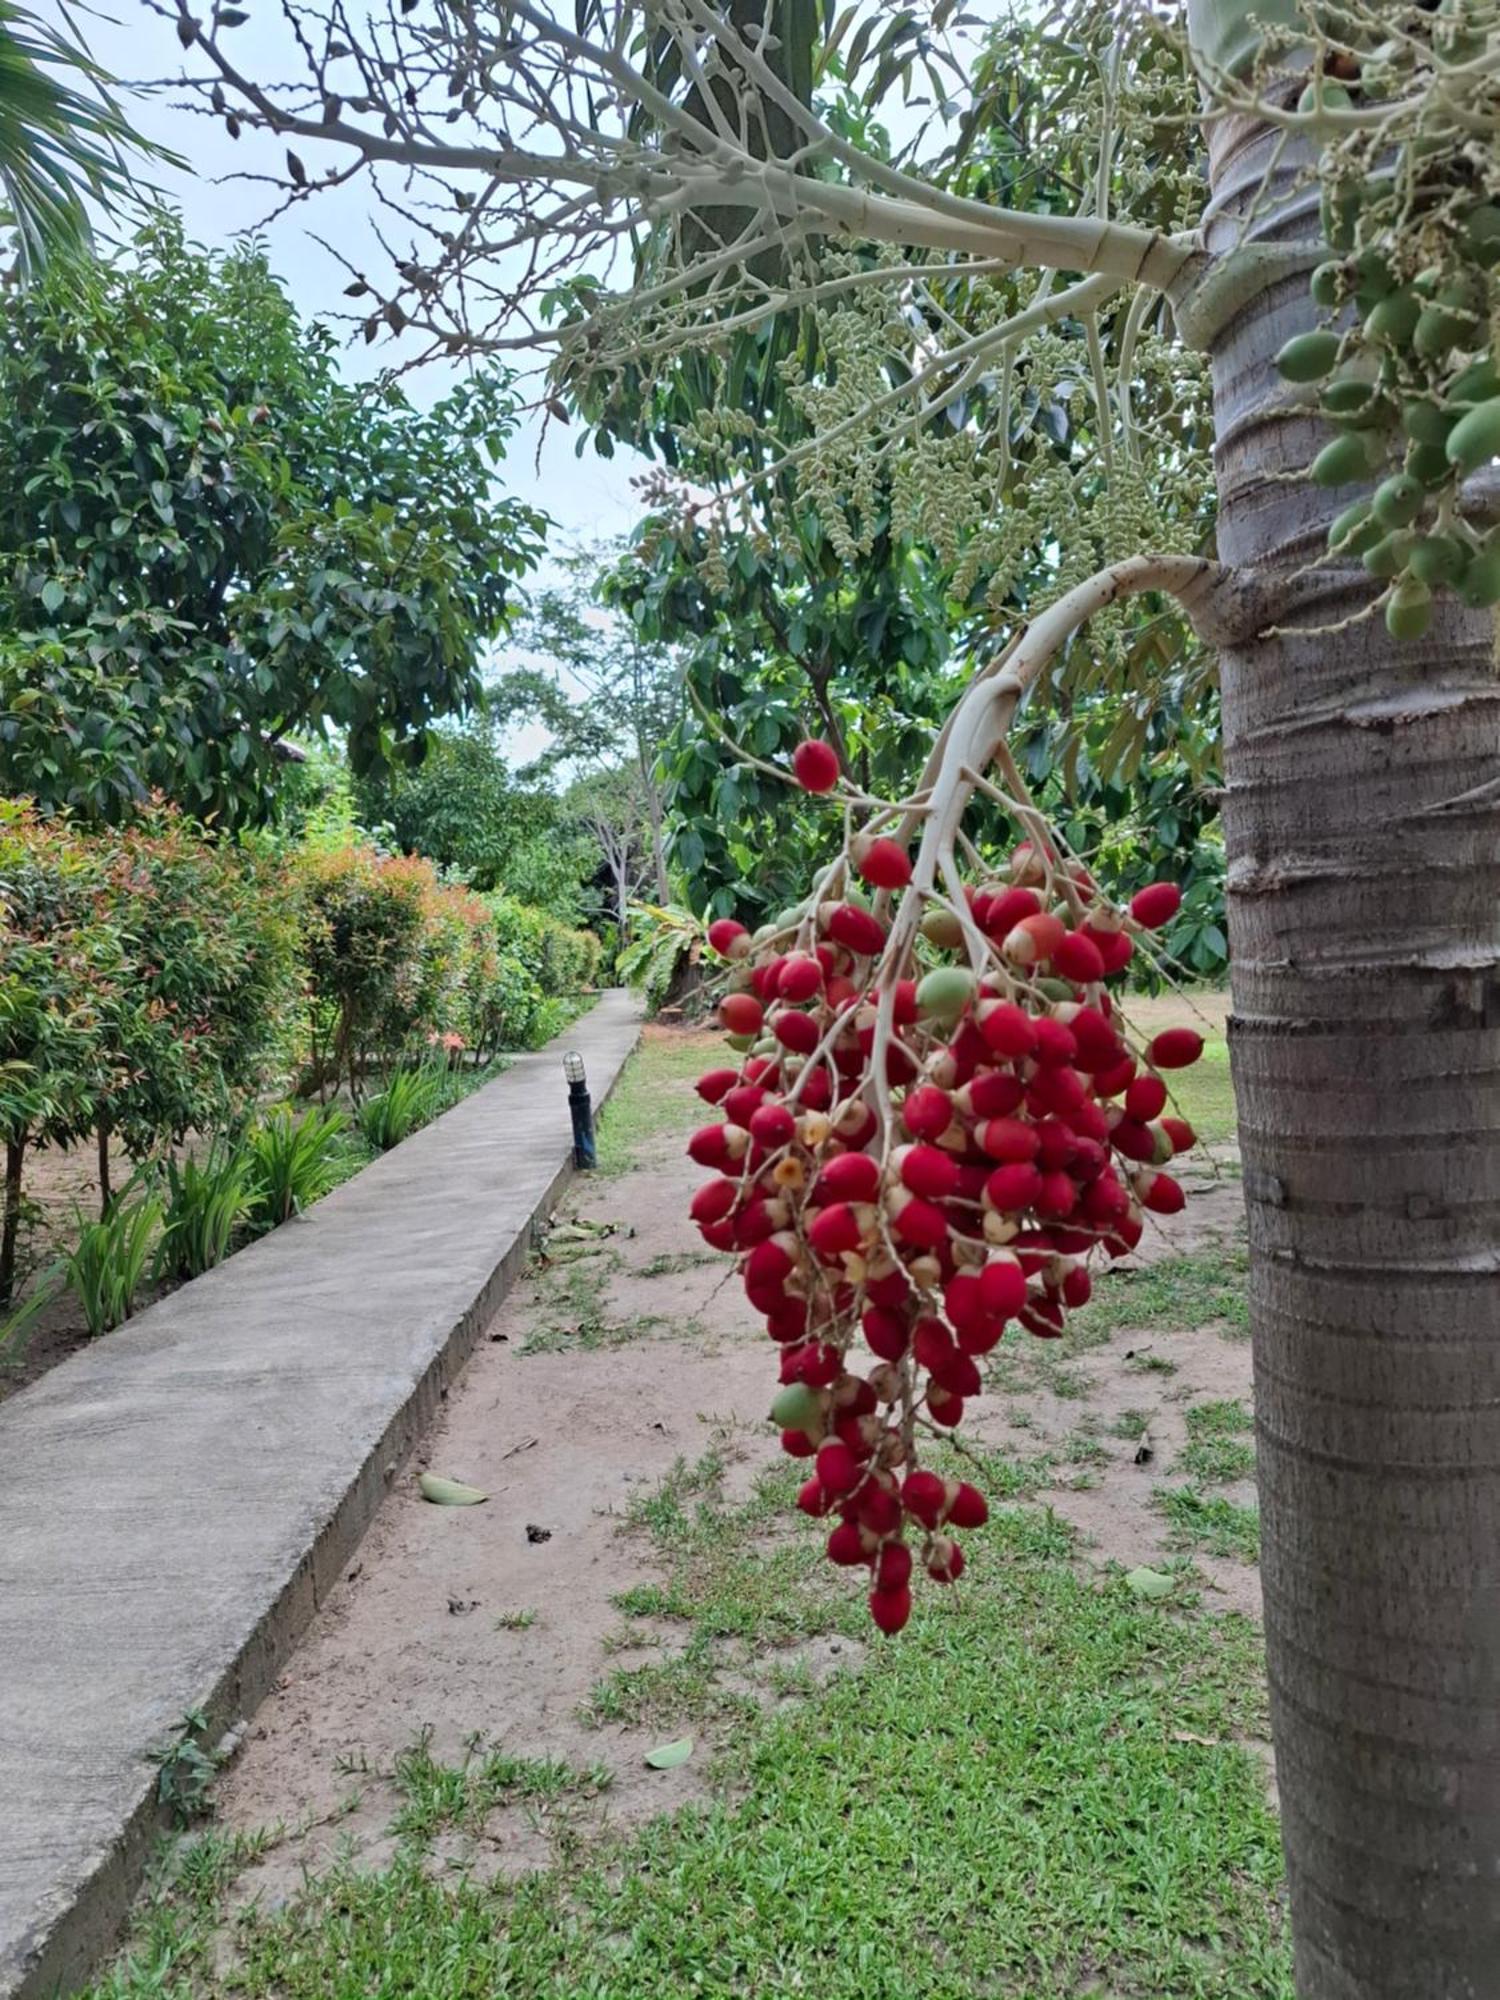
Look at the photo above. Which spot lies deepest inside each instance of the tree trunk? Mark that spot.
(658, 841)
(1361, 818)
(15, 1156)
(101, 1136)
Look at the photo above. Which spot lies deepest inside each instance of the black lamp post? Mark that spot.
(582, 1107)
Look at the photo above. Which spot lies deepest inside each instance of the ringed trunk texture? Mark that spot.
(1362, 820)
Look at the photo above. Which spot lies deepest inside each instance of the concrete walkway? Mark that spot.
(176, 1500)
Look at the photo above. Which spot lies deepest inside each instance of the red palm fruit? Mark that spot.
(817, 1364)
(1078, 958)
(814, 1498)
(932, 1344)
(1115, 947)
(900, 1065)
(815, 765)
(1055, 1045)
(1099, 1047)
(885, 1335)
(855, 1123)
(1007, 1030)
(718, 1235)
(838, 1469)
(1134, 1140)
(904, 1005)
(1105, 1201)
(765, 980)
(1180, 1133)
(728, 938)
(861, 1434)
(1059, 1143)
(943, 1407)
(959, 1375)
(1013, 1187)
(840, 992)
(856, 929)
(741, 1103)
(920, 1223)
(773, 1126)
(1029, 861)
(972, 1175)
(769, 1262)
(1009, 1140)
(1075, 1239)
(1044, 1317)
(708, 1146)
(993, 1093)
(883, 863)
(927, 1172)
(796, 1031)
(1077, 1286)
(966, 1506)
(1175, 1048)
(924, 1497)
(1110, 1082)
(846, 1546)
(1156, 904)
(848, 1177)
(879, 1509)
(715, 1085)
(1002, 1286)
(962, 1302)
(1057, 1196)
(890, 1291)
(787, 1320)
(1003, 912)
(1034, 939)
(1125, 1234)
(797, 1444)
(1089, 1121)
(893, 1567)
(945, 1559)
(1145, 1099)
(816, 1090)
(713, 1200)
(982, 1337)
(927, 1112)
(1162, 1195)
(853, 1396)
(834, 1230)
(890, 1608)
(1061, 1091)
(799, 979)
(741, 1013)
(1089, 1160)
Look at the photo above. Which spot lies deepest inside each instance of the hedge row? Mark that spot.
(154, 981)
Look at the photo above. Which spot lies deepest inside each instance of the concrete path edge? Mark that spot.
(58, 1946)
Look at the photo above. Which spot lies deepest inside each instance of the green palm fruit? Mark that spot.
(1408, 610)
(1482, 235)
(1425, 423)
(1354, 531)
(1428, 463)
(1437, 559)
(1392, 321)
(1308, 357)
(945, 992)
(1479, 586)
(1475, 438)
(1327, 284)
(1477, 384)
(1398, 501)
(1389, 556)
(1342, 462)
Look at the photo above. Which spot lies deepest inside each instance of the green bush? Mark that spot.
(207, 1200)
(107, 1266)
(410, 1099)
(298, 1156)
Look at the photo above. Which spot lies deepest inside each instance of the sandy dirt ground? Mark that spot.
(621, 1354)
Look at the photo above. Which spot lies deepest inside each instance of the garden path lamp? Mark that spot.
(582, 1107)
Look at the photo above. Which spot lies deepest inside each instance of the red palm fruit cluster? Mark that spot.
(908, 1167)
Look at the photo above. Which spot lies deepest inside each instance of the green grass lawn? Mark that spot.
(1039, 1791)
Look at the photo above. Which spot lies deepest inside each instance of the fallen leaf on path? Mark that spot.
(449, 1492)
(1146, 1582)
(667, 1756)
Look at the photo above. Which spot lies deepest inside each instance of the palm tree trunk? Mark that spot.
(1362, 822)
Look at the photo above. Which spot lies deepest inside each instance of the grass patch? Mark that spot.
(1204, 1093)
(1217, 1448)
(571, 1300)
(652, 1097)
(435, 1796)
(1172, 1296)
(1214, 1525)
(1131, 1424)
(515, 1621)
(1222, 1419)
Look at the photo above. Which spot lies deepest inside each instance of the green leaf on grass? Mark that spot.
(667, 1756)
(1149, 1582)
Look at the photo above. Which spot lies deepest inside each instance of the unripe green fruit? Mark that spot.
(1437, 559)
(1341, 463)
(1425, 423)
(743, 1043)
(945, 992)
(1479, 586)
(1477, 384)
(1393, 320)
(1389, 556)
(1482, 235)
(1408, 612)
(943, 929)
(1398, 501)
(1475, 438)
(1327, 284)
(1354, 531)
(1428, 465)
(1324, 96)
(798, 1408)
(1055, 989)
(1374, 277)
(1308, 357)
(1438, 328)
